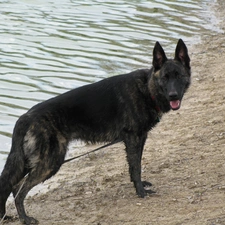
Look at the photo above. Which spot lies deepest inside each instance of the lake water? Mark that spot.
(48, 47)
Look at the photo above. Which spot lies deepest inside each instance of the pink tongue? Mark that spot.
(175, 104)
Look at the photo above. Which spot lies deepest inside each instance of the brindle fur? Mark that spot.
(123, 107)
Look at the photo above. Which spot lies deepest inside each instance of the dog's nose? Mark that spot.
(173, 95)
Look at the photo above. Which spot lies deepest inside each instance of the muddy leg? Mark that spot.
(9, 177)
(19, 194)
(3, 198)
(134, 148)
(39, 174)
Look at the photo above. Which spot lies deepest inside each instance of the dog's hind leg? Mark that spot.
(12, 173)
(35, 177)
(44, 166)
(134, 148)
(39, 174)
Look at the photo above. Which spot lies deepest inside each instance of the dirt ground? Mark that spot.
(184, 158)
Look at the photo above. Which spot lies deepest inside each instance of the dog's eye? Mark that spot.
(177, 75)
(165, 77)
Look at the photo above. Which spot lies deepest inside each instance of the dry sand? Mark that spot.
(184, 158)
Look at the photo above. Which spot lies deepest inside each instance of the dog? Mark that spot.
(123, 107)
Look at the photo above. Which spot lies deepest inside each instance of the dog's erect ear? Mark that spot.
(159, 56)
(181, 54)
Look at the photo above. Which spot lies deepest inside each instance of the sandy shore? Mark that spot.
(184, 158)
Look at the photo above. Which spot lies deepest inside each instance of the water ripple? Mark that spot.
(48, 47)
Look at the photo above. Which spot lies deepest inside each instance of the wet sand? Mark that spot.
(184, 158)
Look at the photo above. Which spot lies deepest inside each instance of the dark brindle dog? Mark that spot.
(123, 107)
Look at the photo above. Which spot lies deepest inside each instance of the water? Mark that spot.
(48, 47)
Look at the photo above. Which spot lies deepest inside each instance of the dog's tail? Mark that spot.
(14, 170)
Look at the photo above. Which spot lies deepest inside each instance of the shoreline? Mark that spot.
(183, 158)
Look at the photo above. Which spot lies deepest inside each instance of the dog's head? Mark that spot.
(172, 76)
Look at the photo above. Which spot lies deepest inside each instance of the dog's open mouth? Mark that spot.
(175, 104)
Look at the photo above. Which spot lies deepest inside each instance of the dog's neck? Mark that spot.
(161, 103)
(157, 109)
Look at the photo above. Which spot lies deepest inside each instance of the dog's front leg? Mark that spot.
(134, 148)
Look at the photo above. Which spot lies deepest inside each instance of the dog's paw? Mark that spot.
(141, 193)
(143, 188)
(28, 220)
(9, 218)
(150, 191)
(146, 184)
(144, 192)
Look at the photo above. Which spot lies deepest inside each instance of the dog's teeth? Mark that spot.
(175, 104)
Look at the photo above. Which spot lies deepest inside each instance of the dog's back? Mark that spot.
(98, 112)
